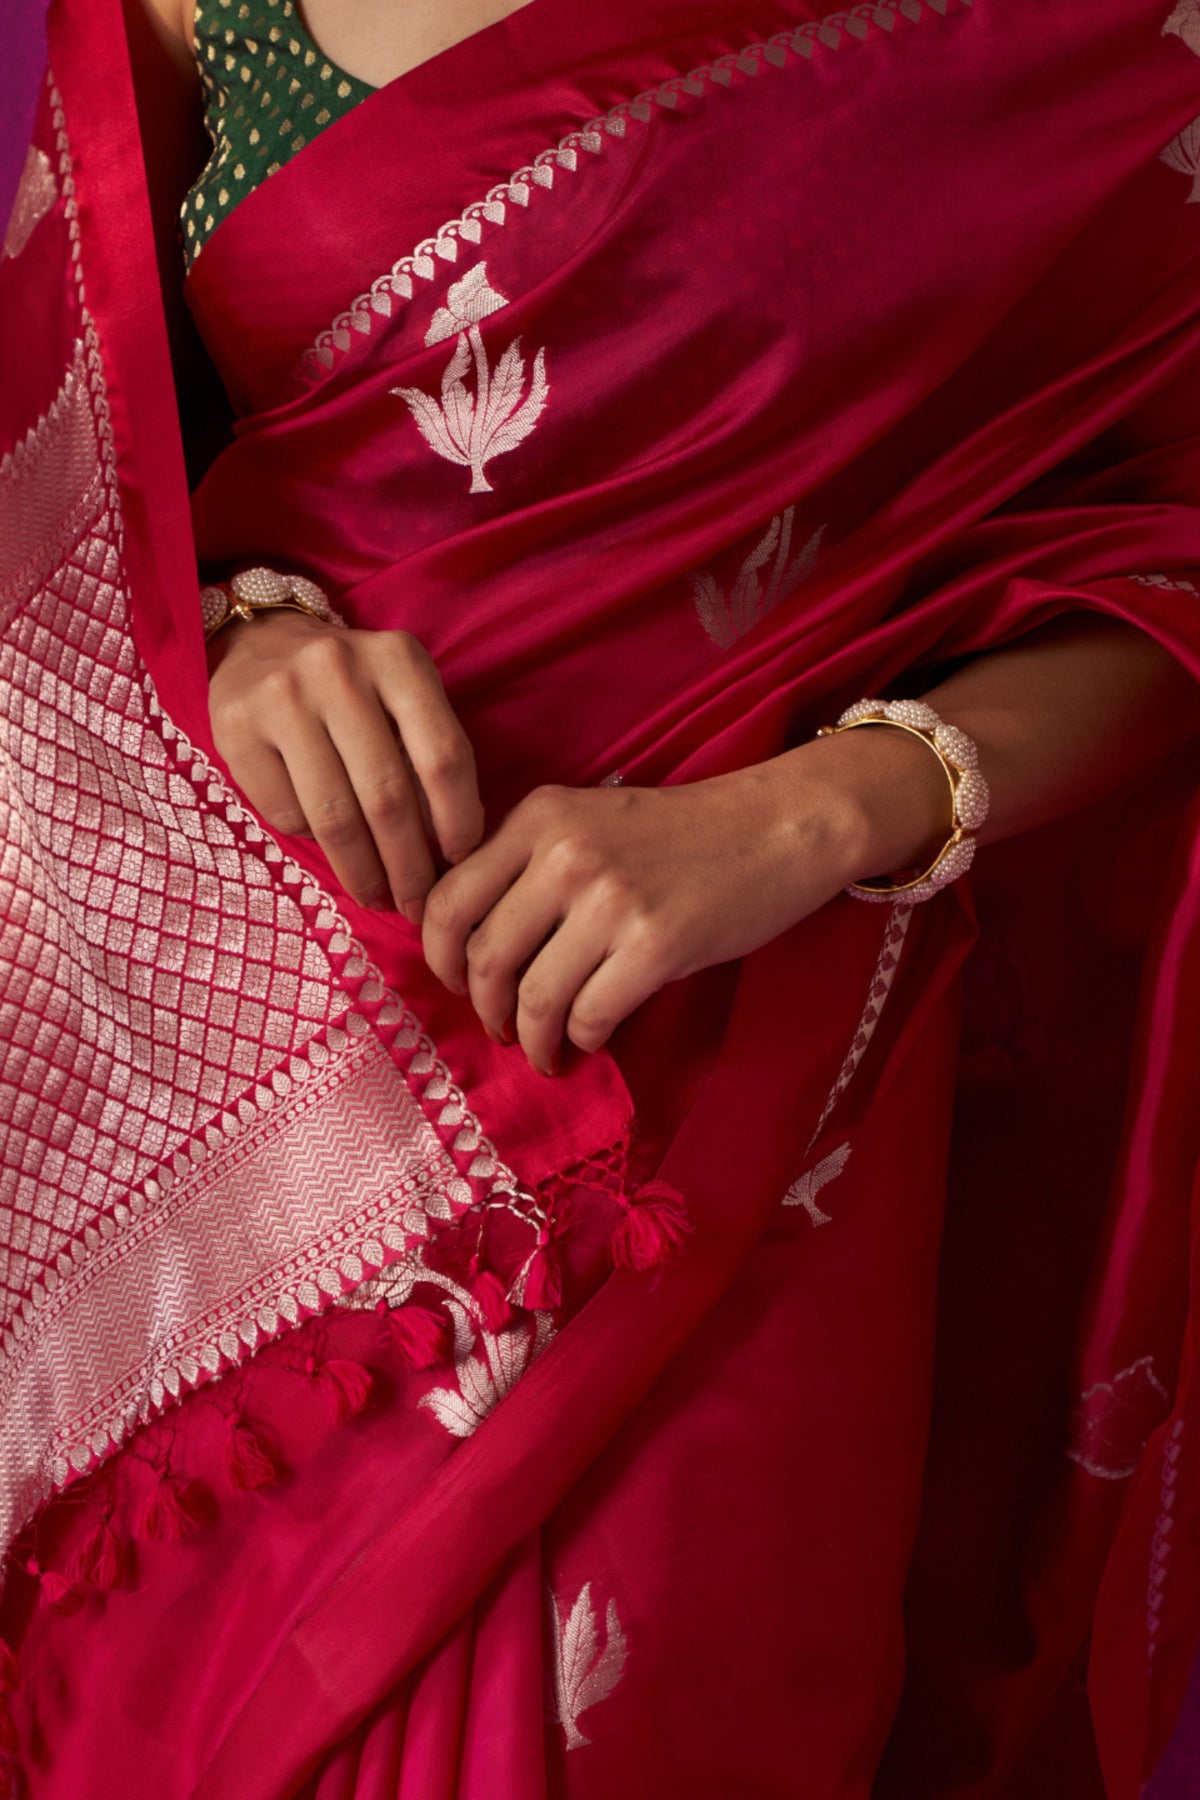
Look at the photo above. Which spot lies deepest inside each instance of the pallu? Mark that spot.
(675, 376)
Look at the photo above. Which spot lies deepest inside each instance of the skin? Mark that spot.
(583, 903)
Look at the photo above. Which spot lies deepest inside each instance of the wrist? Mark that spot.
(878, 799)
(266, 629)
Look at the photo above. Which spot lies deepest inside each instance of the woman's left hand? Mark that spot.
(587, 901)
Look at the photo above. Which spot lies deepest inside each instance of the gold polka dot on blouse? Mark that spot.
(268, 92)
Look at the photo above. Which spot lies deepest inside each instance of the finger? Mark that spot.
(464, 897)
(330, 805)
(499, 948)
(613, 990)
(438, 747)
(362, 735)
(261, 774)
(550, 987)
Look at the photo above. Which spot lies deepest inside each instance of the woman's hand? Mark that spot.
(586, 901)
(347, 736)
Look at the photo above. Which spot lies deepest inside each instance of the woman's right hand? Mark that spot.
(347, 737)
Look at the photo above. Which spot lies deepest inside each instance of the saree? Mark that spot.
(675, 382)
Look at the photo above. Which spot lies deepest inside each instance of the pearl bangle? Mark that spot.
(262, 590)
(969, 797)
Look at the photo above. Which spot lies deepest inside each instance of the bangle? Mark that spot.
(262, 590)
(969, 797)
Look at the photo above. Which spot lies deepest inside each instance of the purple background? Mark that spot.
(23, 59)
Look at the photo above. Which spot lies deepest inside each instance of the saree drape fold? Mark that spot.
(674, 381)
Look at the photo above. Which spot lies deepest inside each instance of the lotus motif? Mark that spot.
(472, 428)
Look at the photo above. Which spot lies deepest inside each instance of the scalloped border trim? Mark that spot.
(401, 280)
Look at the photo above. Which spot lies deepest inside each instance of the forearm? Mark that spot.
(1059, 718)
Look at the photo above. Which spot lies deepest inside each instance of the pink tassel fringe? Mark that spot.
(171, 1511)
(422, 1338)
(248, 1462)
(346, 1387)
(543, 1282)
(96, 1561)
(487, 1291)
(651, 1229)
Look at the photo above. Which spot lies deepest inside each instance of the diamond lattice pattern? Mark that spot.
(149, 970)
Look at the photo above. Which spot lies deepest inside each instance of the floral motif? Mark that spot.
(804, 1191)
(584, 1674)
(1185, 23)
(473, 429)
(1183, 153)
(483, 1381)
(728, 617)
(1114, 1418)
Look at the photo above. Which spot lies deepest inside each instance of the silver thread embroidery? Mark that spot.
(36, 194)
(1184, 22)
(473, 429)
(804, 1192)
(727, 617)
(584, 1674)
(483, 1381)
(1114, 1418)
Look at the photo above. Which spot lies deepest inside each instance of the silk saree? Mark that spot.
(675, 380)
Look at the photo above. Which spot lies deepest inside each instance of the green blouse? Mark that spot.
(269, 91)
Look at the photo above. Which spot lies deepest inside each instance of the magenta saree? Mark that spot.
(675, 383)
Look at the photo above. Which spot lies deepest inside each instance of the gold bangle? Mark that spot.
(262, 590)
(969, 797)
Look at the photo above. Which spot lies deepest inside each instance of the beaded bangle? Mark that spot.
(969, 797)
(262, 590)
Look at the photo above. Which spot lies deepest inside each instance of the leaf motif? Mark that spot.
(712, 611)
(539, 392)
(478, 1388)
(725, 619)
(432, 426)
(457, 405)
(508, 1355)
(803, 564)
(608, 1667)
(583, 1673)
(451, 1411)
(804, 1191)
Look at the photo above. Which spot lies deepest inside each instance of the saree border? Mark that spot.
(351, 1137)
(354, 326)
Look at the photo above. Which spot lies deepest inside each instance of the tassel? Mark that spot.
(422, 1338)
(58, 1590)
(8, 1732)
(96, 1561)
(487, 1291)
(539, 1285)
(652, 1227)
(171, 1511)
(9, 1672)
(345, 1386)
(248, 1462)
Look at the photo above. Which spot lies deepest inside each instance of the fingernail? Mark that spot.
(414, 911)
(508, 1031)
(553, 1064)
(381, 903)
